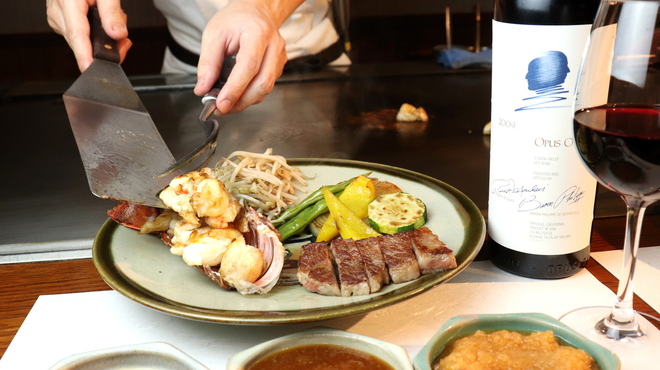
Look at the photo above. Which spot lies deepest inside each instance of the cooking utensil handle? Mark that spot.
(209, 99)
(103, 46)
(227, 65)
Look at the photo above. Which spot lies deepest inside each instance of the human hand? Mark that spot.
(69, 19)
(250, 30)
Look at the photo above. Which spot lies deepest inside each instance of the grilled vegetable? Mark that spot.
(297, 224)
(396, 213)
(357, 196)
(350, 226)
(310, 200)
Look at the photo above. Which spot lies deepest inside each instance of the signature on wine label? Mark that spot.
(508, 186)
(534, 197)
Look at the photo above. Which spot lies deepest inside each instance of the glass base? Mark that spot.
(635, 344)
(618, 331)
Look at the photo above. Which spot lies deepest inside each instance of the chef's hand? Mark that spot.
(69, 19)
(249, 29)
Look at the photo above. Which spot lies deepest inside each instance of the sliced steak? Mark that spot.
(399, 257)
(316, 271)
(374, 263)
(350, 268)
(432, 254)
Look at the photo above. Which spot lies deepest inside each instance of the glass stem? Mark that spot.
(622, 323)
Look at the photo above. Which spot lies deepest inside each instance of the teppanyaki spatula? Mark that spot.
(118, 141)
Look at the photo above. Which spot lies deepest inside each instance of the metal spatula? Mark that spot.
(120, 146)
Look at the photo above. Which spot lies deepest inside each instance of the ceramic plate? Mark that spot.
(141, 267)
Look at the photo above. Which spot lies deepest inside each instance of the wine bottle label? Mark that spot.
(541, 198)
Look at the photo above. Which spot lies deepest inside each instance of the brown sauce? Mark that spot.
(320, 357)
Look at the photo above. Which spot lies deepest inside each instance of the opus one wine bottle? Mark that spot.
(541, 199)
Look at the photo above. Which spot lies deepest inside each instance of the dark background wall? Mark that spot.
(381, 31)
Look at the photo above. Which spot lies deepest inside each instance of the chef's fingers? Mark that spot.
(259, 62)
(249, 61)
(248, 32)
(211, 55)
(54, 15)
(123, 46)
(69, 18)
(243, 72)
(113, 18)
(264, 81)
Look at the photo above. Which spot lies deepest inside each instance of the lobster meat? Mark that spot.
(237, 248)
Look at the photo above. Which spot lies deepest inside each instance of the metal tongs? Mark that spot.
(211, 126)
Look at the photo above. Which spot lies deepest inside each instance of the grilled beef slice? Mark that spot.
(350, 268)
(399, 257)
(374, 263)
(432, 254)
(316, 271)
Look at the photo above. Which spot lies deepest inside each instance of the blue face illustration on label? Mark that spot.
(545, 76)
(548, 70)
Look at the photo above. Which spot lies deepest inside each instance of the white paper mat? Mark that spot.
(62, 325)
(647, 272)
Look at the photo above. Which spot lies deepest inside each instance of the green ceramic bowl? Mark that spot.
(392, 354)
(461, 326)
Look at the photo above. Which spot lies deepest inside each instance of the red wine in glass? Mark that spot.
(620, 144)
(617, 136)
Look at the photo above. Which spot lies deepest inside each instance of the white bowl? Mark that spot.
(392, 354)
(155, 355)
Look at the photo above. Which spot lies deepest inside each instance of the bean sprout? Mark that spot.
(265, 181)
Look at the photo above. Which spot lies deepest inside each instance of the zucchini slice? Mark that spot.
(396, 213)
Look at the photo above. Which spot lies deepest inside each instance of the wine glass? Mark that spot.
(617, 135)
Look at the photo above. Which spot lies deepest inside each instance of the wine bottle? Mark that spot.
(541, 198)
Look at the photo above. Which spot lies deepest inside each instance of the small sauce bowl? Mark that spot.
(461, 326)
(390, 353)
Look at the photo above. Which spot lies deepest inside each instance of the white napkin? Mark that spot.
(62, 325)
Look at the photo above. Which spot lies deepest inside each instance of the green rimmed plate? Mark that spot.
(141, 267)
